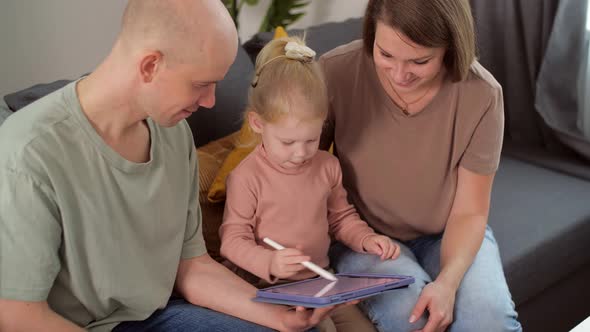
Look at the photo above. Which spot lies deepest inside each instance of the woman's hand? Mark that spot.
(439, 299)
(286, 263)
(382, 246)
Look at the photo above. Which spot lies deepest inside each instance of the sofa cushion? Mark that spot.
(22, 98)
(4, 112)
(231, 98)
(541, 219)
(211, 157)
(244, 142)
(321, 38)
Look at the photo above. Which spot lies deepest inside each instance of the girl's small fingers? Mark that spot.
(397, 252)
(291, 252)
(294, 268)
(374, 248)
(390, 251)
(295, 259)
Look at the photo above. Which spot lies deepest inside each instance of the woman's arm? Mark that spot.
(461, 241)
(466, 225)
(343, 219)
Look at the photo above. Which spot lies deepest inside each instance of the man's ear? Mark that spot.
(255, 122)
(149, 65)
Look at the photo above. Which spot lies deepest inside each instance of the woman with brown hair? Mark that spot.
(417, 124)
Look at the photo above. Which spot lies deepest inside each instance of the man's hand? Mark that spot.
(228, 293)
(439, 299)
(286, 263)
(382, 246)
(302, 319)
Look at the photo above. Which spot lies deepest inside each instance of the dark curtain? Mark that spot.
(560, 85)
(512, 39)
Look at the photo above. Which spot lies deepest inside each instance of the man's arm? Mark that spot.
(16, 316)
(30, 224)
(204, 282)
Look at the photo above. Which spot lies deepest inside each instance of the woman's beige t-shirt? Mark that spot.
(400, 170)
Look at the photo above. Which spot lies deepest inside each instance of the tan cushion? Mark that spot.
(245, 142)
(243, 145)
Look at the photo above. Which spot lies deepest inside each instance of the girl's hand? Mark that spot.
(382, 246)
(286, 263)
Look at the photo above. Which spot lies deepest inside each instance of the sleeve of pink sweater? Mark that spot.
(238, 243)
(345, 223)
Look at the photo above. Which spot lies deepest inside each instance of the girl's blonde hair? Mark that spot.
(281, 81)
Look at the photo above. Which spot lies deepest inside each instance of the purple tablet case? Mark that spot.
(319, 292)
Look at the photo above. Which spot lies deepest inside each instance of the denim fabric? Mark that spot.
(483, 301)
(181, 316)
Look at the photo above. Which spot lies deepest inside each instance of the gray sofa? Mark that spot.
(540, 204)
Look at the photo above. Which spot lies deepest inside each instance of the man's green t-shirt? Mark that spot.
(96, 236)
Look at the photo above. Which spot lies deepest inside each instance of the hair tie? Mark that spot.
(299, 52)
(293, 51)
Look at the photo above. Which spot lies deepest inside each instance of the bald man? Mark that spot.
(99, 214)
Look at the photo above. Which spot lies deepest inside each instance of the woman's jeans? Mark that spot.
(482, 302)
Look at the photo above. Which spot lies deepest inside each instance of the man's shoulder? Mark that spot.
(33, 130)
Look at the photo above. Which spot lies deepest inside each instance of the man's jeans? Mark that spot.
(482, 303)
(181, 316)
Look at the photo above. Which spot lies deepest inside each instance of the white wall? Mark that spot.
(318, 11)
(42, 41)
(45, 40)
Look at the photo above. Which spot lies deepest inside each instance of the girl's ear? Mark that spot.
(255, 122)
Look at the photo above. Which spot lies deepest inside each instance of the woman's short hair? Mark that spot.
(430, 23)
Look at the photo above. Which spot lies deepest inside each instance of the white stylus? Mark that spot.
(321, 272)
(326, 289)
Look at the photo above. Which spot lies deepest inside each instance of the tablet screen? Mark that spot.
(322, 287)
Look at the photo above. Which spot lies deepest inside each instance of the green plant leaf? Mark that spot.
(300, 5)
(281, 13)
(234, 8)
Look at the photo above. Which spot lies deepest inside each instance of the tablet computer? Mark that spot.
(319, 292)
